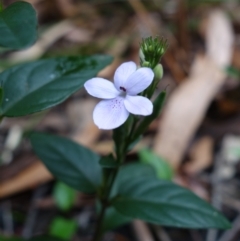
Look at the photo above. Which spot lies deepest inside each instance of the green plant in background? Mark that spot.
(64, 197)
(163, 169)
(63, 228)
(123, 191)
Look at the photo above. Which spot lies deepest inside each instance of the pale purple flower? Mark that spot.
(120, 97)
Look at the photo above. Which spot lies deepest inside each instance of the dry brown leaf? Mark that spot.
(49, 37)
(201, 156)
(31, 177)
(187, 106)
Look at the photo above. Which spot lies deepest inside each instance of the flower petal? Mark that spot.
(123, 72)
(138, 105)
(101, 88)
(139, 81)
(110, 114)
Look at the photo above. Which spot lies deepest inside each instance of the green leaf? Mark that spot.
(35, 86)
(165, 203)
(64, 196)
(68, 161)
(129, 172)
(162, 168)
(233, 72)
(157, 107)
(63, 228)
(114, 219)
(18, 25)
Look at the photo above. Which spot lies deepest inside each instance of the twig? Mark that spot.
(7, 218)
(161, 233)
(142, 231)
(216, 193)
(33, 212)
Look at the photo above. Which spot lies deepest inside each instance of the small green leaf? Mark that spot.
(157, 107)
(64, 196)
(36, 86)
(18, 25)
(165, 203)
(63, 228)
(163, 168)
(68, 161)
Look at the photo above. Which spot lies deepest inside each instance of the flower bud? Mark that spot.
(151, 51)
(141, 55)
(158, 71)
(146, 64)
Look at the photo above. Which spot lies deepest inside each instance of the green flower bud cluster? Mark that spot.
(151, 51)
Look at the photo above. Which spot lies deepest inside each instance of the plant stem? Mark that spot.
(105, 200)
(98, 232)
(104, 205)
(121, 152)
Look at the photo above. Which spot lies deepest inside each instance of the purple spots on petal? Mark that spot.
(116, 104)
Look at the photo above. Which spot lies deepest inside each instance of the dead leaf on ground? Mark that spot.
(187, 106)
(201, 156)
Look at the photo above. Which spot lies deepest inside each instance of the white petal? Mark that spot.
(139, 81)
(101, 88)
(138, 105)
(123, 72)
(110, 114)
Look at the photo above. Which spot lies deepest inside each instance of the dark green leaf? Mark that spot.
(63, 228)
(157, 107)
(18, 25)
(68, 161)
(32, 87)
(129, 172)
(64, 196)
(162, 167)
(165, 203)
